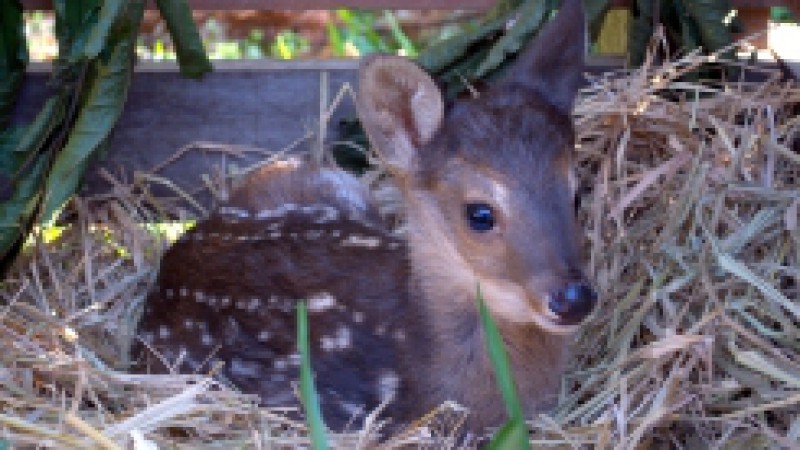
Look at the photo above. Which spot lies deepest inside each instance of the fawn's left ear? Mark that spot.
(553, 63)
(400, 108)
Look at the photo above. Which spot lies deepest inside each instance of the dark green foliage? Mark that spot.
(308, 393)
(689, 24)
(23, 168)
(192, 56)
(110, 78)
(43, 162)
(13, 56)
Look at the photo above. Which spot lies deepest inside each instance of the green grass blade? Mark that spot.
(308, 393)
(192, 57)
(514, 434)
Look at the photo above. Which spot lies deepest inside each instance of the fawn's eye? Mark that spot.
(480, 216)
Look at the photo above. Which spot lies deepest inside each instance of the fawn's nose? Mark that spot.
(573, 302)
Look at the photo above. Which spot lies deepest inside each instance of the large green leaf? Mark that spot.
(98, 36)
(709, 15)
(439, 57)
(74, 21)
(530, 18)
(23, 172)
(13, 57)
(308, 393)
(640, 31)
(192, 56)
(100, 111)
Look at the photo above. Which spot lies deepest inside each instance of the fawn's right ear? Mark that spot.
(400, 108)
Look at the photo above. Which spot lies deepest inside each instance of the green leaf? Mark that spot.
(23, 174)
(530, 18)
(308, 393)
(514, 434)
(595, 12)
(397, 33)
(640, 32)
(708, 17)
(192, 56)
(101, 109)
(439, 57)
(109, 13)
(335, 39)
(48, 118)
(74, 21)
(13, 57)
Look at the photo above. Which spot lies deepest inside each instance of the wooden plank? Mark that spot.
(264, 108)
(265, 104)
(307, 4)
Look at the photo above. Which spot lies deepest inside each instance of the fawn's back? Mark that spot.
(487, 197)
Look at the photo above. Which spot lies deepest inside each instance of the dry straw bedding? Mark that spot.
(691, 211)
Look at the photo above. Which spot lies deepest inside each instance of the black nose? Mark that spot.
(573, 303)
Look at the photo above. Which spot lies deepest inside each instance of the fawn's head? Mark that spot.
(488, 185)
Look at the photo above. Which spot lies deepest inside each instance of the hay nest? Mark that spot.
(690, 196)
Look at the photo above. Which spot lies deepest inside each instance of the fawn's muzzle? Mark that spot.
(573, 302)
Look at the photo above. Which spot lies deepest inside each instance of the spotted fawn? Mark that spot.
(487, 196)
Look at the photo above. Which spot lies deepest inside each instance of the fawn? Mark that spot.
(488, 198)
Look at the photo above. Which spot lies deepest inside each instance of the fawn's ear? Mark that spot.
(400, 108)
(553, 63)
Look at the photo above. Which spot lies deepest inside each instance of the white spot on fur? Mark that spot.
(225, 302)
(242, 368)
(163, 332)
(294, 359)
(321, 302)
(199, 296)
(183, 292)
(279, 364)
(327, 214)
(254, 304)
(351, 409)
(234, 212)
(356, 240)
(388, 384)
(358, 317)
(313, 234)
(327, 343)
(169, 293)
(188, 324)
(399, 335)
(344, 338)
(264, 336)
(206, 339)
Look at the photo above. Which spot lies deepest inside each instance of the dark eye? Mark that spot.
(480, 216)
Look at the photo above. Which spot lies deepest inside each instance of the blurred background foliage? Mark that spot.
(93, 44)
